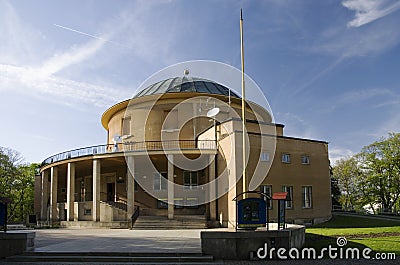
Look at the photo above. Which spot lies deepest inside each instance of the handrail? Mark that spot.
(131, 147)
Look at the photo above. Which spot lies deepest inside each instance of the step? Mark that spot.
(113, 257)
(162, 222)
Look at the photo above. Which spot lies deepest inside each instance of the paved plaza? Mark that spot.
(118, 240)
(148, 241)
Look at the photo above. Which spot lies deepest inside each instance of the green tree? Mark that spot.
(17, 183)
(335, 191)
(347, 174)
(381, 163)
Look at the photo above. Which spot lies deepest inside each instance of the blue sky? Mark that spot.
(329, 69)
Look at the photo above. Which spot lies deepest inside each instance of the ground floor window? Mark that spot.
(160, 181)
(190, 180)
(267, 189)
(289, 202)
(307, 196)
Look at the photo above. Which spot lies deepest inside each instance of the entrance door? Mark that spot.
(110, 192)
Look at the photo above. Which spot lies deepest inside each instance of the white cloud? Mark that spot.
(65, 91)
(357, 43)
(17, 39)
(44, 77)
(75, 55)
(42, 80)
(297, 126)
(44, 73)
(365, 94)
(336, 153)
(368, 11)
(341, 43)
(390, 123)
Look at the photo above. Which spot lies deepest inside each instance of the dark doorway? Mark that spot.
(110, 192)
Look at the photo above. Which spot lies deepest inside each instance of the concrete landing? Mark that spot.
(118, 240)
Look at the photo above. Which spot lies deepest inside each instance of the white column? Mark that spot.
(213, 199)
(96, 190)
(53, 194)
(235, 171)
(43, 214)
(70, 191)
(130, 180)
(170, 187)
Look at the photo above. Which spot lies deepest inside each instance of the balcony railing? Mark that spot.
(132, 147)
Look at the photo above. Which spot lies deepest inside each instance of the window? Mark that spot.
(264, 156)
(267, 189)
(87, 212)
(285, 158)
(190, 180)
(289, 202)
(307, 196)
(126, 126)
(160, 181)
(305, 159)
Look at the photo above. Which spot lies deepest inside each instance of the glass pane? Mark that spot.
(201, 87)
(194, 179)
(186, 178)
(212, 88)
(156, 181)
(164, 183)
(187, 87)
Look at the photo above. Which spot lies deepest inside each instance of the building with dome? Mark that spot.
(167, 163)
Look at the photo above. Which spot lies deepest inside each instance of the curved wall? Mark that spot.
(153, 118)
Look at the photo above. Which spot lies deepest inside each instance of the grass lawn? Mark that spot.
(378, 235)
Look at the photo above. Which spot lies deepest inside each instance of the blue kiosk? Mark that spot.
(252, 212)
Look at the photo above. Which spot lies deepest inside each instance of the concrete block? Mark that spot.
(243, 244)
(16, 242)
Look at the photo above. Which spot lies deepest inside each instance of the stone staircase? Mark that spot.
(162, 222)
(109, 258)
(119, 205)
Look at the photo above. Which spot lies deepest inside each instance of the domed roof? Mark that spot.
(186, 84)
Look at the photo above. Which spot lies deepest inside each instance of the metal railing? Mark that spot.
(132, 147)
(135, 216)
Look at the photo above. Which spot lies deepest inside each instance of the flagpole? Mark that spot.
(243, 109)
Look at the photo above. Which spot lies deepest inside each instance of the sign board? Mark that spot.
(281, 213)
(251, 213)
(281, 197)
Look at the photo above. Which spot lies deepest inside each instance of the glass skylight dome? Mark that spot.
(186, 84)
